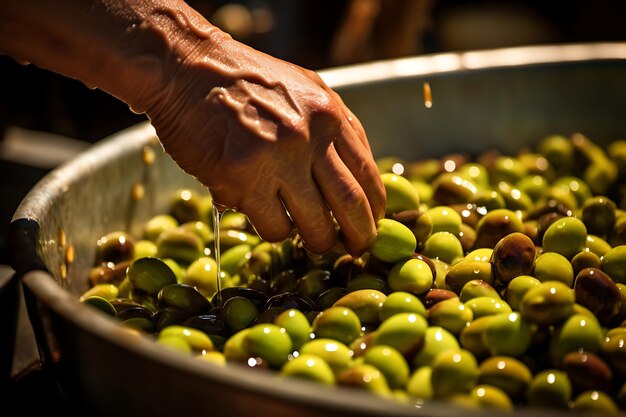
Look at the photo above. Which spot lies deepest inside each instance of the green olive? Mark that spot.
(451, 314)
(477, 288)
(613, 349)
(507, 169)
(509, 374)
(269, 342)
(339, 323)
(507, 334)
(239, 312)
(145, 248)
(597, 245)
(179, 244)
(566, 236)
(202, 274)
(465, 271)
(594, 402)
(454, 371)
(444, 246)
(365, 303)
(418, 221)
(436, 340)
(419, 385)
(403, 331)
(401, 195)
(197, 340)
(614, 264)
(401, 302)
(548, 303)
(100, 303)
(489, 397)
(394, 242)
(549, 388)
(309, 367)
(552, 266)
(366, 377)
(336, 354)
(390, 362)
(184, 297)
(412, 275)
(296, 324)
(106, 291)
(517, 287)
(150, 274)
(445, 219)
(486, 305)
(157, 224)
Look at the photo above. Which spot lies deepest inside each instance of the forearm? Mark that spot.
(127, 48)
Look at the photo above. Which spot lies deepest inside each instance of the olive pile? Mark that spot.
(494, 281)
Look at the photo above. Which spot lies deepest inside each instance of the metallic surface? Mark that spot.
(504, 98)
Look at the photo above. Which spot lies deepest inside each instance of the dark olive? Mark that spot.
(598, 214)
(513, 255)
(184, 297)
(595, 290)
(115, 247)
(587, 371)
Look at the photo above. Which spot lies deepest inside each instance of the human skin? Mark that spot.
(268, 138)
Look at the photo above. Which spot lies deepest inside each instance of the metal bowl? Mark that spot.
(504, 99)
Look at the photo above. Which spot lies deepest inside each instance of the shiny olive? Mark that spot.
(413, 275)
(270, 342)
(495, 225)
(197, 340)
(394, 242)
(444, 246)
(584, 260)
(509, 374)
(477, 288)
(489, 397)
(365, 303)
(436, 340)
(419, 222)
(339, 323)
(614, 263)
(549, 388)
(535, 186)
(201, 229)
(150, 274)
(514, 198)
(336, 354)
(239, 312)
(419, 385)
(157, 224)
(366, 377)
(100, 303)
(115, 247)
(488, 200)
(507, 169)
(400, 302)
(517, 287)
(597, 245)
(474, 172)
(309, 367)
(566, 236)
(454, 371)
(512, 256)
(202, 274)
(552, 266)
(445, 219)
(486, 305)
(507, 334)
(613, 349)
(107, 291)
(186, 206)
(450, 188)
(401, 195)
(598, 214)
(548, 303)
(587, 371)
(437, 295)
(451, 314)
(595, 290)
(578, 333)
(185, 297)
(390, 362)
(145, 248)
(403, 331)
(465, 271)
(594, 402)
(471, 336)
(296, 324)
(179, 244)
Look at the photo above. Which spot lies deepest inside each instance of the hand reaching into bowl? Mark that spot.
(267, 137)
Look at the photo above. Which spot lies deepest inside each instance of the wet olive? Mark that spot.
(454, 371)
(489, 397)
(185, 297)
(336, 354)
(509, 374)
(366, 377)
(339, 323)
(157, 224)
(270, 342)
(594, 402)
(436, 340)
(179, 244)
(486, 305)
(552, 266)
(202, 274)
(413, 275)
(450, 188)
(309, 367)
(477, 288)
(401, 195)
(239, 312)
(566, 236)
(401, 302)
(419, 385)
(419, 222)
(614, 263)
(445, 219)
(390, 362)
(587, 371)
(549, 388)
(595, 290)
(297, 326)
(548, 303)
(512, 256)
(495, 225)
(584, 260)
(465, 271)
(106, 291)
(451, 314)
(394, 241)
(115, 247)
(444, 246)
(403, 331)
(150, 274)
(100, 303)
(365, 303)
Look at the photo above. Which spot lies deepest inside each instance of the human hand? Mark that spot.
(273, 141)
